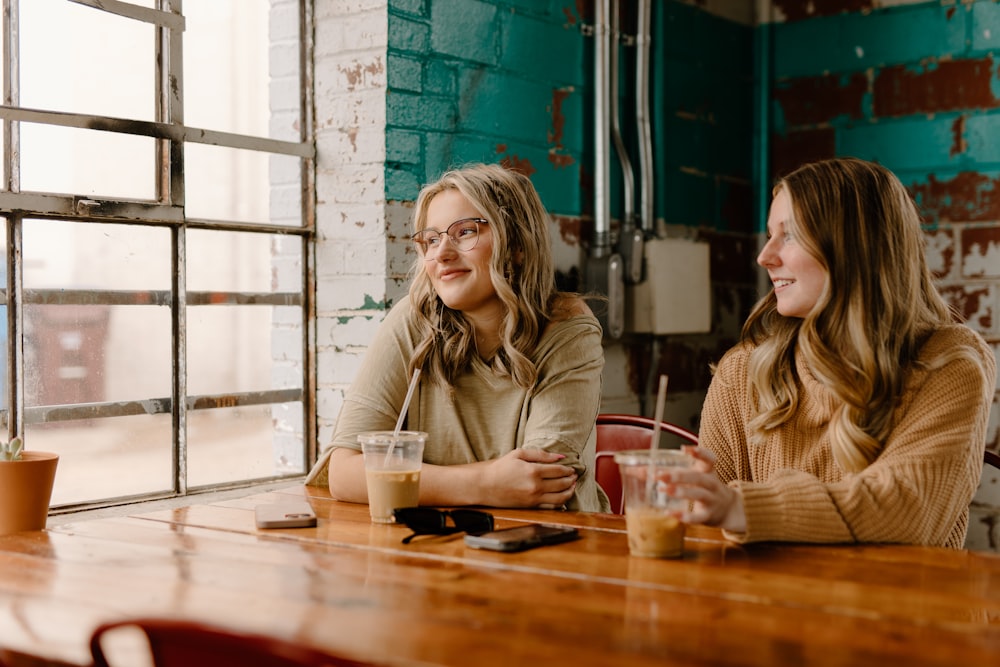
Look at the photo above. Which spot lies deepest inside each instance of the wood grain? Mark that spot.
(349, 586)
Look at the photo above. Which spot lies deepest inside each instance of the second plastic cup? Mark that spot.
(392, 470)
(652, 517)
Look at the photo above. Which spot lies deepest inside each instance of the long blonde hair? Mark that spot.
(878, 306)
(521, 269)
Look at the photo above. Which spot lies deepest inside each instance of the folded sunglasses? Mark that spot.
(430, 521)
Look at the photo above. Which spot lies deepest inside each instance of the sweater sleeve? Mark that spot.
(724, 416)
(562, 409)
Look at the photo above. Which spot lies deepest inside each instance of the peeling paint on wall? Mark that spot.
(820, 99)
(515, 163)
(981, 252)
(959, 144)
(972, 303)
(939, 85)
(569, 229)
(968, 197)
(940, 252)
(557, 156)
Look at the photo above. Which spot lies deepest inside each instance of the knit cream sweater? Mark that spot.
(917, 491)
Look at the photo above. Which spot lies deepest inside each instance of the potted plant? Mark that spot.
(26, 479)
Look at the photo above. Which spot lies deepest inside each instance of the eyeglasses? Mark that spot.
(430, 521)
(464, 235)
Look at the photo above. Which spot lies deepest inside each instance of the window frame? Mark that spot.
(168, 210)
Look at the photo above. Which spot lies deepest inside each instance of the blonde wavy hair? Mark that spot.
(521, 269)
(877, 308)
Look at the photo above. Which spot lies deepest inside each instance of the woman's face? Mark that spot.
(797, 277)
(461, 278)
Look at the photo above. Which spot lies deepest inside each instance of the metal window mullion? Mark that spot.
(307, 114)
(178, 318)
(12, 93)
(132, 11)
(15, 329)
(12, 163)
(170, 106)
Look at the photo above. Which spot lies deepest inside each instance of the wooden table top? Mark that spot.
(350, 587)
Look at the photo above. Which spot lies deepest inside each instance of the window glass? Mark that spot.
(230, 183)
(243, 261)
(98, 164)
(106, 458)
(227, 78)
(69, 63)
(252, 442)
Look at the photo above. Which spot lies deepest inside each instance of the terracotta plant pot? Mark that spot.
(25, 491)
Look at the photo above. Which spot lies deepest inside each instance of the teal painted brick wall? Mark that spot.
(506, 80)
(703, 122)
(487, 81)
(914, 87)
(857, 41)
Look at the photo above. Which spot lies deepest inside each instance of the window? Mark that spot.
(158, 230)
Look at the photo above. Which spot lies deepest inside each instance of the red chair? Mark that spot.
(178, 643)
(619, 432)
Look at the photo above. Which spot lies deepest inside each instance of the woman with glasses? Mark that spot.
(510, 381)
(855, 408)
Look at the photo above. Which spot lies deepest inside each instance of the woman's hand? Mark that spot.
(712, 502)
(528, 477)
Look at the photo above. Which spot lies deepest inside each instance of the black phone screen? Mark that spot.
(522, 537)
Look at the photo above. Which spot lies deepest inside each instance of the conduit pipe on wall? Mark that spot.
(630, 239)
(604, 270)
(647, 213)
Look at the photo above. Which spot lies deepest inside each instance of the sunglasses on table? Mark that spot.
(430, 521)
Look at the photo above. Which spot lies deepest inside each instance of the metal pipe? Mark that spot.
(628, 177)
(647, 213)
(630, 237)
(602, 174)
(604, 271)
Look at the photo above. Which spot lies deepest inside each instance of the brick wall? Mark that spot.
(912, 87)
(353, 278)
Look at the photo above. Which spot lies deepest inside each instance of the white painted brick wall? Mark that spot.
(352, 249)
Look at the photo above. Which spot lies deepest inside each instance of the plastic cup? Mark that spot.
(392, 471)
(652, 517)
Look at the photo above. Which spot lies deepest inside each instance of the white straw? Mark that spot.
(661, 399)
(654, 443)
(406, 403)
(402, 413)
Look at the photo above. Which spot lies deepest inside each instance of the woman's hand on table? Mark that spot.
(712, 502)
(528, 477)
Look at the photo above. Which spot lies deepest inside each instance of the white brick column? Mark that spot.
(352, 283)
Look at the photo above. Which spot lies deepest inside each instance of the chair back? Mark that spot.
(991, 458)
(180, 643)
(617, 432)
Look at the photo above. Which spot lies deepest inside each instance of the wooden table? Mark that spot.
(351, 587)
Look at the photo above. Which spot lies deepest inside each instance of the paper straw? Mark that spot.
(661, 399)
(654, 442)
(402, 413)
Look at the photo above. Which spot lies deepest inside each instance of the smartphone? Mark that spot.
(520, 538)
(291, 514)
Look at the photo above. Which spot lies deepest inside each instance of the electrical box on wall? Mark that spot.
(675, 297)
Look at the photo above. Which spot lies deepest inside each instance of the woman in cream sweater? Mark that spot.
(510, 380)
(854, 408)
